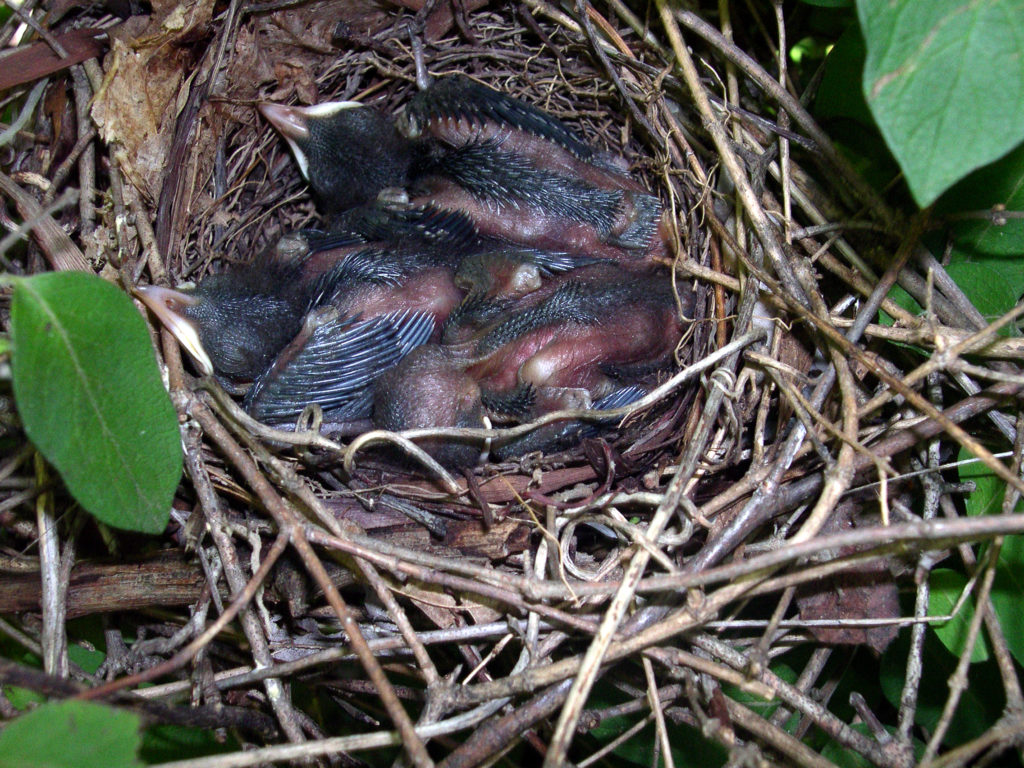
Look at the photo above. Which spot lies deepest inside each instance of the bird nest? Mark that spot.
(654, 571)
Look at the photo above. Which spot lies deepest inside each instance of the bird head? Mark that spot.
(348, 152)
(228, 324)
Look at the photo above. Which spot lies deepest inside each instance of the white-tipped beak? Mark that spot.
(293, 123)
(168, 305)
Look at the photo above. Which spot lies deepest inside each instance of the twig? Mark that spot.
(87, 165)
(286, 519)
(189, 652)
(958, 680)
(58, 248)
(54, 633)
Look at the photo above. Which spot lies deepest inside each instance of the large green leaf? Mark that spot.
(71, 734)
(993, 285)
(90, 396)
(945, 82)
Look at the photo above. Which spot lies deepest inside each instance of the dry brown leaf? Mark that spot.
(865, 591)
(145, 87)
(444, 609)
(31, 62)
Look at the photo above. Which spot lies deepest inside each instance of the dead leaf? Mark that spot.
(866, 591)
(145, 85)
(31, 62)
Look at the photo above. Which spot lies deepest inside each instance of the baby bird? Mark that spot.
(319, 316)
(519, 174)
(322, 135)
(585, 336)
(296, 340)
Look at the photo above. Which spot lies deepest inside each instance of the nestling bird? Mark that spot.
(519, 174)
(319, 316)
(585, 336)
(300, 330)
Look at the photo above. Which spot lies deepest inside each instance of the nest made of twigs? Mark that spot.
(532, 581)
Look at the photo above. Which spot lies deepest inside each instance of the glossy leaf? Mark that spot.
(945, 82)
(90, 396)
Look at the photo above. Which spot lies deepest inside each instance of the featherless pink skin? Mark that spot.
(459, 112)
(519, 174)
(582, 336)
(431, 389)
(582, 324)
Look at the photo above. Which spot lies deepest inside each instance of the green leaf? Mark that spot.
(979, 706)
(999, 183)
(987, 497)
(89, 659)
(992, 285)
(764, 708)
(21, 698)
(1008, 586)
(838, 95)
(90, 396)
(946, 588)
(945, 82)
(808, 49)
(71, 734)
(1006, 591)
(985, 259)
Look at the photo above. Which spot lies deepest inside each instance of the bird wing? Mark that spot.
(334, 361)
(459, 98)
(554, 263)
